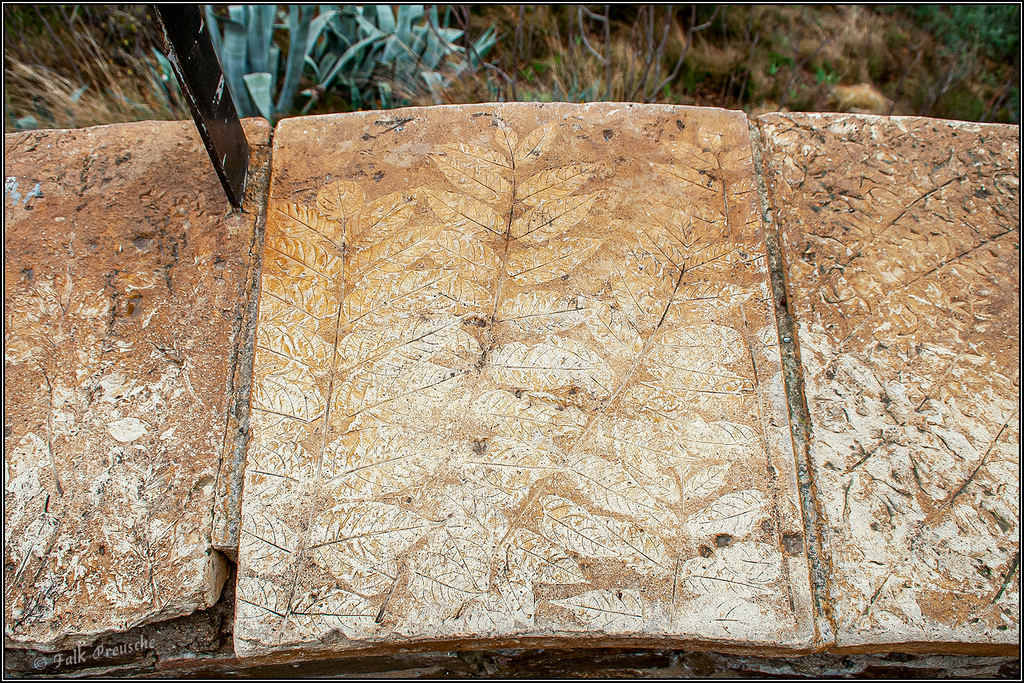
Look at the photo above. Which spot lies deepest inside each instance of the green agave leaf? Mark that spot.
(319, 26)
(357, 96)
(166, 70)
(393, 47)
(481, 46)
(325, 65)
(214, 31)
(450, 34)
(433, 52)
(350, 53)
(258, 85)
(233, 59)
(484, 43)
(238, 14)
(260, 34)
(322, 40)
(385, 19)
(386, 96)
(275, 61)
(311, 63)
(369, 28)
(407, 14)
(365, 69)
(166, 83)
(26, 123)
(419, 40)
(346, 26)
(299, 20)
(435, 82)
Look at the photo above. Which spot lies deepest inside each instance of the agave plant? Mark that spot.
(251, 58)
(400, 47)
(350, 47)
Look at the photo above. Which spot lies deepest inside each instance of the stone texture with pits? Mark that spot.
(902, 239)
(124, 277)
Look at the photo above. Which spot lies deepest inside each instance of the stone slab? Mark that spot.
(124, 285)
(517, 379)
(902, 238)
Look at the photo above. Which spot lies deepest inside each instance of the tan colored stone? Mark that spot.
(124, 287)
(517, 376)
(902, 238)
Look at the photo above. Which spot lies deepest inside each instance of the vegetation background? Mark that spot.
(68, 66)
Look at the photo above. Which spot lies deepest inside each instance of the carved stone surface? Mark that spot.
(902, 239)
(124, 283)
(517, 375)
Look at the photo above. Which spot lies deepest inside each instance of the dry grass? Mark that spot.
(69, 67)
(757, 58)
(56, 102)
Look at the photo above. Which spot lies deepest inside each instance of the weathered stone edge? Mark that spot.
(227, 506)
(217, 570)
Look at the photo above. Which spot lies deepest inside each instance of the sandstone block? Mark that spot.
(125, 277)
(902, 238)
(517, 378)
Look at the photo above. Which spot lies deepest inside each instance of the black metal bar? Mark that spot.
(195, 64)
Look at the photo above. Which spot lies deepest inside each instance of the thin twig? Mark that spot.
(57, 41)
(959, 58)
(746, 76)
(517, 50)
(608, 50)
(686, 47)
(568, 67)
(628, 83)
(903, 77)
(583, 32)
(605, 60)
(799, 64)
(655, 56)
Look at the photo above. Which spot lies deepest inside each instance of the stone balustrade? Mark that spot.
(510, 379)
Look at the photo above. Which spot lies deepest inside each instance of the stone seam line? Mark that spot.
(226, 511)
(815, 542)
